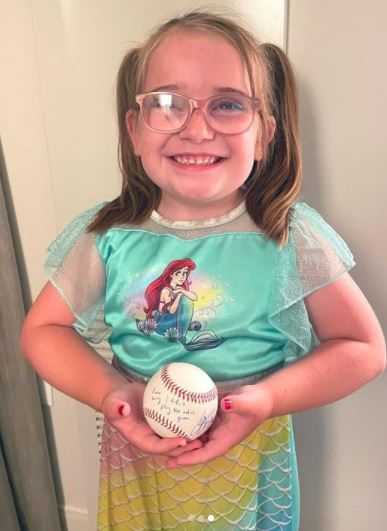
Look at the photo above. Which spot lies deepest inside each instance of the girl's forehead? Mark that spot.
(193, 61)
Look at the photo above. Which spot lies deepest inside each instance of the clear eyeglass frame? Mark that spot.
(200, 104)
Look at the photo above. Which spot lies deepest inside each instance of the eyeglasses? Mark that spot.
(165, 112)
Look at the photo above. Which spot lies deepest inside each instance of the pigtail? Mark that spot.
(139, 195)
(274, 185)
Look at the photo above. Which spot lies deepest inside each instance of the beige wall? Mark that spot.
(58, 62)
(339, 51)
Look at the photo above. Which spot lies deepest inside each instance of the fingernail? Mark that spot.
(227, 403)
(121, 410)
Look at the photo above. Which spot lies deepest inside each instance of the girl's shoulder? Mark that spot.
(315, 254)
(75, 229)
(87, 216)
(75, 269)
(309, 231)
(301, 212)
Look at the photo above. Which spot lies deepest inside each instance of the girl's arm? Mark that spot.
(66, 361)
(352, 352)
(60, 355)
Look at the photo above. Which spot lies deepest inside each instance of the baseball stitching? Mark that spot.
(195, 397)
(160, 419)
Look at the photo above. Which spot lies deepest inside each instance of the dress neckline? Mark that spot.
(200, 223)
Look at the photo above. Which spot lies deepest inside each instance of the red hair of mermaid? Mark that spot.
(153, 291)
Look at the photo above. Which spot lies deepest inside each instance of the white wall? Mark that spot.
(339, 51)
(58, 62)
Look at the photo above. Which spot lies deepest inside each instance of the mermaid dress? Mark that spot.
(238, 313)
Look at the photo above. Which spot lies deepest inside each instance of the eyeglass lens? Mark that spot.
(169, 112)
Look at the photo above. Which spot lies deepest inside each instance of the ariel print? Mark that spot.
(170, 307)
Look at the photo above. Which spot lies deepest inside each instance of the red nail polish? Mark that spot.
(227, 403)
(121, 410)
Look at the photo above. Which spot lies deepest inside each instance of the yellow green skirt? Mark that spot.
(253, 487)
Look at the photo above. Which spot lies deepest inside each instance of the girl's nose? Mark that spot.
(197, 128)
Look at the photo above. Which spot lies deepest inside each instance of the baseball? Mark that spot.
(180, 400)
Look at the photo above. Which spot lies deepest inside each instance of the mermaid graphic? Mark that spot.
(170, 307)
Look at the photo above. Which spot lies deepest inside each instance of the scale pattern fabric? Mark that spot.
(250, 294)
(252, 487)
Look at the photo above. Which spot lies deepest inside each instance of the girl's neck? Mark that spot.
(175, 210)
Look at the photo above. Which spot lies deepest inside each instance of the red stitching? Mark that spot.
(154, 415)
(196, 397)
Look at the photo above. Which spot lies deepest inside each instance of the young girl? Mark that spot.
(205, 247)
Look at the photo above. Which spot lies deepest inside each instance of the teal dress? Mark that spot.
(218, 294)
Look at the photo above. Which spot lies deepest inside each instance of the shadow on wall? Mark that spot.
(311, 446)
(310, 428)
(313, 171)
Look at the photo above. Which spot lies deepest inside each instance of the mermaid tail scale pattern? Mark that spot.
(204, 339)
(249, 488)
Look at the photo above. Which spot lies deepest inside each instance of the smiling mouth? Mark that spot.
(191, 160)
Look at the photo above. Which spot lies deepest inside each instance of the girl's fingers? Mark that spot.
(123, 409)
(204, 438)
(241, 404)
(194, 445)
(116, 409)
(155, 445)
(202, 455)
(141, 436)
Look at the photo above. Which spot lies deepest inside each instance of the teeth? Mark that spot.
(195, 160)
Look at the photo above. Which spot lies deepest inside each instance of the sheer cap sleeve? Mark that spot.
(75, 268)
(314, 257)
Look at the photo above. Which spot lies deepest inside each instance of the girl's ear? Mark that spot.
(131, 127)
(259, 147)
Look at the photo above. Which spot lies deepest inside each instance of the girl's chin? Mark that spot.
(198, 197)
(195, 206)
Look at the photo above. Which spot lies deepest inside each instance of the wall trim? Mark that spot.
(77, 518)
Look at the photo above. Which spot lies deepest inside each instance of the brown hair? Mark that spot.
(273, 183)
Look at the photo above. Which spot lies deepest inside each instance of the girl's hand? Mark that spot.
(239, 415)
(122, 408)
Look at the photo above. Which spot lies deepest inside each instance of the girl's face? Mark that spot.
(178, 277)
(196, 65)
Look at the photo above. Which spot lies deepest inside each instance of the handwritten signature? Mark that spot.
(204, 422)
